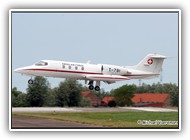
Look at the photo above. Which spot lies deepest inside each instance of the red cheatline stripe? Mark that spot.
(140, 75)
(53, 70)
(111, 78)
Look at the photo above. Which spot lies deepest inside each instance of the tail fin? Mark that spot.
(151, 63)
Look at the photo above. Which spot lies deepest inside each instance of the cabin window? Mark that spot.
(76, 67)
(41, 63)
(63, 66)
(69, 67)
(82, 68)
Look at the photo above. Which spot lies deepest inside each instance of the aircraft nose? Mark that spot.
(19, 70)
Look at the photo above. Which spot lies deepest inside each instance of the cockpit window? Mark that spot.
(41, 63)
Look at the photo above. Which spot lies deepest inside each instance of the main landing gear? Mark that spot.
(97, 87)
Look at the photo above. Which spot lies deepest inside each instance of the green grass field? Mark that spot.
(111, 119)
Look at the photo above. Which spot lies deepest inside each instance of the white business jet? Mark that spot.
(149, 67)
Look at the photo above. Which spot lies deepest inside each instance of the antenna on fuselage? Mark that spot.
(88, 62)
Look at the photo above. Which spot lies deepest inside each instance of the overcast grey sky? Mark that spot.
(110, 38)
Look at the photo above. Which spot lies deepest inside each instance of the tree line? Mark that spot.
(39, 94)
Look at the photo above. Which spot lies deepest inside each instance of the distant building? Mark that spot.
(94, 100)
(146, 99)
(106, 100)
(151, 99)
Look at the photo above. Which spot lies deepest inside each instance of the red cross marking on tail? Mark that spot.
(150, 61)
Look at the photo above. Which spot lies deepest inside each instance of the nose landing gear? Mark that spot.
(30, 81)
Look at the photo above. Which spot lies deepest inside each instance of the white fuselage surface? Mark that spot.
(150, 66)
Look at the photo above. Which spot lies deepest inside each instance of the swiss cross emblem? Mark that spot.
(150, 61)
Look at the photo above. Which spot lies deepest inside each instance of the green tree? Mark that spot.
(68, 93)
(15, 92)
(18, 98)
(123, 95)
(102, 93)
(20, 101)
(84, 102)
(50, 97)
(173, 90)
(37, 91)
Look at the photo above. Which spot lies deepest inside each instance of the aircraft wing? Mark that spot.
(107, 78)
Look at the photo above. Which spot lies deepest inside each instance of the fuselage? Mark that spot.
(149, 67)
(65, 69)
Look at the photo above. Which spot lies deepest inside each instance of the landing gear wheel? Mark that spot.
(91, 87)
(97, 88)
(30, 81)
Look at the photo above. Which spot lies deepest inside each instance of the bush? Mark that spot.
(112, 103)
(85, 102)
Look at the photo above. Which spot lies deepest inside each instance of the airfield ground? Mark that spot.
(91, 109)
(122, 117)
(37, 122)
